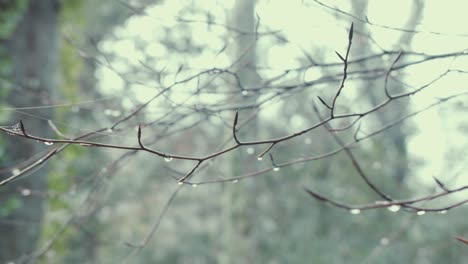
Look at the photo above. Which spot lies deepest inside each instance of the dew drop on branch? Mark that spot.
(168, 159)
(47, 143)
(15, 171)
(394, 208)
(355, 211)
(421, 212)
(250, 150)
(25, 192)
(276, 169)
(384, 241)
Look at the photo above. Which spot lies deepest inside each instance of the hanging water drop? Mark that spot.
(260, 158)
(180, 183)
(235, 181)
(245, 92)
(384, 241)
(47, 143)
(194, 185)
(394, 208)
(109, 130)
(168, 159)
(443, 212)
(15, 171)
(250, 150)
(422, 212)
(25, 192)
(355, 211)
(276, 169)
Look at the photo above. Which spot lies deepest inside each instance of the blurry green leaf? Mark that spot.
(11, 204)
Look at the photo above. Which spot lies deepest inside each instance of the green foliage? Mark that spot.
(8, 206)
(10, 13)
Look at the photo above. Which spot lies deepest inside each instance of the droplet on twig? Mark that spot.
(168, 159)
(250, 150)
(421, 212)
(355, 211)
(394, 208)
(25, 192)
(384, 241)
(47, 143)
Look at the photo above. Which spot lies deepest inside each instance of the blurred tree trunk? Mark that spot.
(32, 49)
(396, 137)
(239, 204)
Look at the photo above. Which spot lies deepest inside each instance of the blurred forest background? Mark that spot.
(181, 70)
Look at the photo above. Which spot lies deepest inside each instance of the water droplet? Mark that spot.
(235, 181)
(355, 211)
(443, 212)
(308, 141)
(194, 185)
(25, 192)
(276, 169)
(109, 130)
(168, 159)
(180, 183)
(47, 143)
(15, 171)
(394, 208)
(250, 150)
(260, 158)
(245, 92)
(422, 212)
(384, 241)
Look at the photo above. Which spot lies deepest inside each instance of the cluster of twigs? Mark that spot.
(388, 202)
(385, 200)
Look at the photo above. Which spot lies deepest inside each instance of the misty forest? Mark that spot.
(248, 131)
